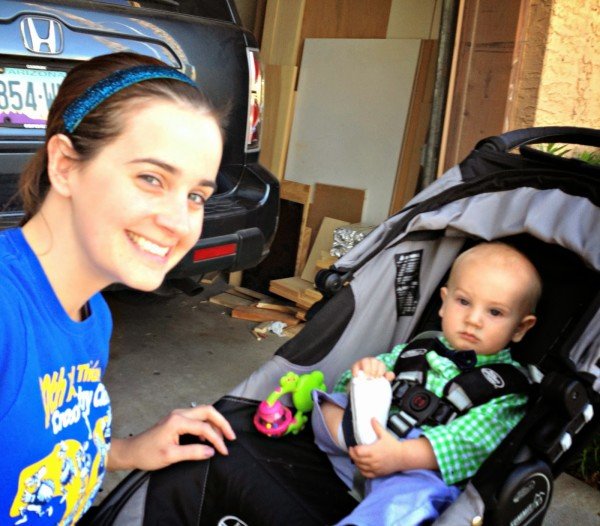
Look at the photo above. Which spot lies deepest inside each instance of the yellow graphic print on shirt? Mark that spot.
(66, 480)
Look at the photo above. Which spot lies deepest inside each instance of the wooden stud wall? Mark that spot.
(482, 74)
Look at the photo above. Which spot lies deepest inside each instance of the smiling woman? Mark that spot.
(116, 194)
(154, 182)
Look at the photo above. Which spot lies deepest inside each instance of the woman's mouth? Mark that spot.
(148, 246)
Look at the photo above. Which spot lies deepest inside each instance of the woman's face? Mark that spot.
(138, 205)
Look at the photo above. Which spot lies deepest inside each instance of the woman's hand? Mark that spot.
(389, 455)
(371, 367)
(159, 446)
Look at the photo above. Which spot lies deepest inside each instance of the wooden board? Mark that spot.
(414, 19)
(281, 32)
(322, 243)
(252, 313)
(280, 82)
(417, 126)
(299, 193)
(296, 289)
(230, 300)
(289, 288)
(303, 250)
(345, 19)
(287, 309)
(350, 115)
(336, 202)
(252, 294)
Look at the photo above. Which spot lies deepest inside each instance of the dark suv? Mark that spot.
(41, 40)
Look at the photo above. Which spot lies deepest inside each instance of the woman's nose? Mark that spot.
(174, 216)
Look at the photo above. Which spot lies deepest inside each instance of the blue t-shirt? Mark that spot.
(55, 416)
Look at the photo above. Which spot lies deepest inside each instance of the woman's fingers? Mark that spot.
(209, 414)
(206, 423)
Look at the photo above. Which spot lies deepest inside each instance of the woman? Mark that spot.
(115, 195)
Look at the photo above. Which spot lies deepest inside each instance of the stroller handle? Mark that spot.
(564, 134)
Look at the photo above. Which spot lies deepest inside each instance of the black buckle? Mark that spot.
(417, 406)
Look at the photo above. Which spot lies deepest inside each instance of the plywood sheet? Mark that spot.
(414, 19)
(322, 243)
(336, 202)
(350, 112)
(345, 19)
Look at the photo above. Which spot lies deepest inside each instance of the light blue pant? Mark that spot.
(410, 498)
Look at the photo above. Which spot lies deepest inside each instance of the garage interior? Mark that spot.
(416, 100)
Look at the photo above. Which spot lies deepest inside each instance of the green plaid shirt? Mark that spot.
(462, 445)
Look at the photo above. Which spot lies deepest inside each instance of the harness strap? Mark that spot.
(473, 387)
(411, 365)
(482, 384)
(418, 406)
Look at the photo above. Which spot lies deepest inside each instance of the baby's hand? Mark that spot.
(374, 460)
(371, 367)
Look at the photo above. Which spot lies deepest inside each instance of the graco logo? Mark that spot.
(42, 35)
(230, 520)
(493, 377)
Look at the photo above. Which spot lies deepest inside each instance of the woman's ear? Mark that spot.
(62, 162)
(524, 325)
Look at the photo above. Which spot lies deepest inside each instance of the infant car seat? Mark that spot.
(385, 291)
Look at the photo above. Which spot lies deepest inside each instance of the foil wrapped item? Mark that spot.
(347, 236)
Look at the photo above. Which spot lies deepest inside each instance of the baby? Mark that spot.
(411, 478)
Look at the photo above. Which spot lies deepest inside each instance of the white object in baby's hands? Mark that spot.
(370, 397)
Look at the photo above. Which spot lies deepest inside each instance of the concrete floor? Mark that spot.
(186, 350)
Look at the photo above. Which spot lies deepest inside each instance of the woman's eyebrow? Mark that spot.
(172, 169)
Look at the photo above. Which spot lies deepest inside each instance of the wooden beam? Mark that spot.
(417, 125)
(281, 32)
(280, 95)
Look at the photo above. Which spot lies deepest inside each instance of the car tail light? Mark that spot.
(255, 101)
(214, 252)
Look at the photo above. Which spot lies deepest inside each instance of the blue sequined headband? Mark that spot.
(103, 89)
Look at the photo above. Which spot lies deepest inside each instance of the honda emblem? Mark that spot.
(42, 35)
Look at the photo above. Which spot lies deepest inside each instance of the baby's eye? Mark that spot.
(495, 312)
(463, 301)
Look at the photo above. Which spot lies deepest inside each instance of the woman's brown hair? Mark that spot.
(105, 122)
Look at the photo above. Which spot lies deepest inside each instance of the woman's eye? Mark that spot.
(197, 199)
(150, 179)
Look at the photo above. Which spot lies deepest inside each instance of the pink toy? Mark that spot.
(274, 419)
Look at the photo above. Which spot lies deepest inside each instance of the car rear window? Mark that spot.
(217, 9)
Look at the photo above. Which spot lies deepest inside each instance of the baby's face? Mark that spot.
(484, 307)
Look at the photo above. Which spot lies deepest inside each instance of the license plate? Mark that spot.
(26, 96)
